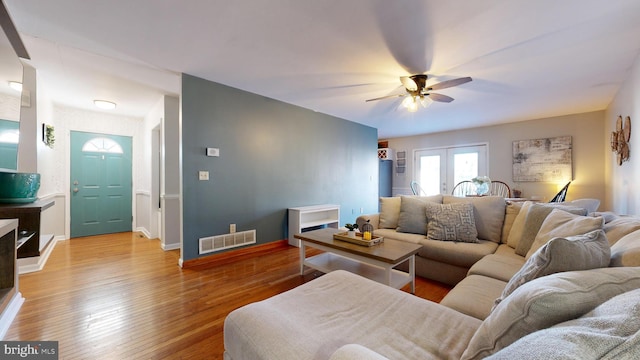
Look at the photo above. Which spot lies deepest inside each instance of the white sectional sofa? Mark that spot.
(557, 285)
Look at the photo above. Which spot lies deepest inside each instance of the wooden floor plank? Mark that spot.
(121, 296)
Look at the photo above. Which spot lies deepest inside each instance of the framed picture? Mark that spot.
(548, 159)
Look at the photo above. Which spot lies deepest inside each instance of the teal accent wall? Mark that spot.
(273, 156)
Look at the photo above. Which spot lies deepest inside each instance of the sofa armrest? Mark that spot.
(374, 220)
(356, 352)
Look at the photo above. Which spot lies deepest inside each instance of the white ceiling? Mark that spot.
(528, 59)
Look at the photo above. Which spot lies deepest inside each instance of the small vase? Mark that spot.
(351, 233)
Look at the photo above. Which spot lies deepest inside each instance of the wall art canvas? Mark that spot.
(546, 159)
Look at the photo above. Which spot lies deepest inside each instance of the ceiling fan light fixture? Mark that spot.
(413, 104)
(104, 104)
(17, 86)
(425, 101)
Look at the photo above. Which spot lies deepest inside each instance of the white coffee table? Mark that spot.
(373, 262)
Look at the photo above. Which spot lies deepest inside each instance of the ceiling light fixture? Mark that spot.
(411, 102)
(17, 86)
(104, 104)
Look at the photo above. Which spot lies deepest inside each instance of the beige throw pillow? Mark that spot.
(535, 217)
(412, 217)
(389, 212)
(547, 301)
(626, 251)
(510, 213)
(581, 252)
(488, 212)
(517, 228)
(451, 222)
(560, 223)
(609, 331)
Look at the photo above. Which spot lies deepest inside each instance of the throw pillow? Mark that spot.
(561, 223)
(548, 301)
(510, 213)
(581, 252)
(535, 217)
(412, 217)
(389, 212)
(618, 226)
(451, 222)
(518, 225)
(626, 251)
(607, 332)
(488, 212)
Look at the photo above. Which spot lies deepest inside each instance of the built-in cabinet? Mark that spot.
(307, 218)
(10, 297)
(30, 240)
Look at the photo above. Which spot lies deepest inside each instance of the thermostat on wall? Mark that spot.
(213, 152)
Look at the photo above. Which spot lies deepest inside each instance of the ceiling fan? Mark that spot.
(418, 92)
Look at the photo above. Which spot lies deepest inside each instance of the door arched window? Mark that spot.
(101, 144)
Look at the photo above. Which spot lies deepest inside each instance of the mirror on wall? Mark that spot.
(10, 98)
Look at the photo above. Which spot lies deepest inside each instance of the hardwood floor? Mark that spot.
(120, 296)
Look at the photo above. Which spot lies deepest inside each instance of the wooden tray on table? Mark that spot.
(359, 240)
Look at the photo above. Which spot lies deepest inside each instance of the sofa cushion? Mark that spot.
(535, 217)
(547, 301)
(451, 222)
(560, 224)
(518, 225)
(617, 226)
(389, 212)
(412, 217)
(474, 295)
(342, 308)
(626, 251)
(456, 253)
(356, 352)
(488, 212)
(580, 252)
(497, 266)
(393, 234)
(609, 331)
(510, 213)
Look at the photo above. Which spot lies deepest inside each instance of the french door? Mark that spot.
(438, 170)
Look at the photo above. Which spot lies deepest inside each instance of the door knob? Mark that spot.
(75, 182)
(75, 190)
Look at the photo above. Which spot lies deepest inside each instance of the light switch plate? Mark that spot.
(203, 175)
(213, 152)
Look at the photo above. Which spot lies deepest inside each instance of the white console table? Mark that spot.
(309, 217)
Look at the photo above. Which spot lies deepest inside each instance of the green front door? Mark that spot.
(101, 186)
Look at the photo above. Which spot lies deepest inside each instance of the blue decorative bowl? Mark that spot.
(19, 188)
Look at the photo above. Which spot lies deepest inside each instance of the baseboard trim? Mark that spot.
(235, 255)
(37, 263)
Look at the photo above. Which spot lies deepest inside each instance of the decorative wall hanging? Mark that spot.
(48, 135)
(620, 139)
(401, 161)
(548, 159)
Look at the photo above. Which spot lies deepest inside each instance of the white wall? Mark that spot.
(586, 130)
(69, 119)
(622, 181)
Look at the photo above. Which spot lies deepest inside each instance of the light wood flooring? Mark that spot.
(120, 296)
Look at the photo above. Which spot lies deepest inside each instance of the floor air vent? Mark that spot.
(227, 241)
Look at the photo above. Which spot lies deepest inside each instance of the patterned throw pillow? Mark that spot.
(451, 222)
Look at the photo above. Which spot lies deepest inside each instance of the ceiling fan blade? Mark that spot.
(386, 97)
(440, 97)
(449, 83)
(408, 83)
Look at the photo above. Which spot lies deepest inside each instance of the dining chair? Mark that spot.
(464, 188)
(500, 188)
(416, 189)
